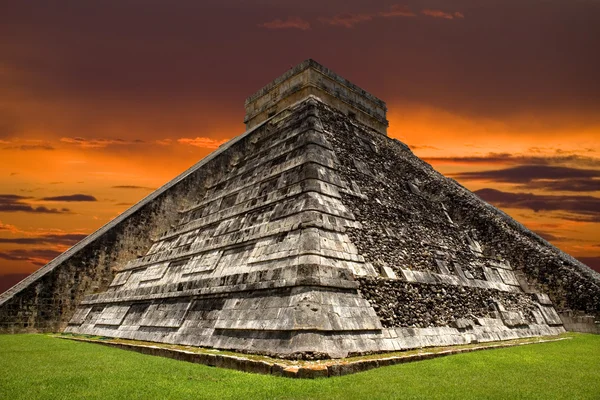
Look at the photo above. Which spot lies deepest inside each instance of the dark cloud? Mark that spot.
(592, 262)
(528, 173)
(67, 239)
(545, 177)
(71, 197)
(570, 185)
(550, 237)
(516, 159)
(34, 256)
(132, 187)
(16, 203)
(583, 208)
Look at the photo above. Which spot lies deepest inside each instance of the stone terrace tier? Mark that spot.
(326, 240)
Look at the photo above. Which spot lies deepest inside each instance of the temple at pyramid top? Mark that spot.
(311, 78)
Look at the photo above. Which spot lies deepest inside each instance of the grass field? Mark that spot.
(44, 367)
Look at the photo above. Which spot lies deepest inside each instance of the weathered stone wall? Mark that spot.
(421, 305)
(47, 299)
(48, 303)
(570, 284)
(253, 265)
(414, 219)
(303, 239)
(266, 262)
(575, 322)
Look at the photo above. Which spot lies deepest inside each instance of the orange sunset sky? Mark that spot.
(103, 101)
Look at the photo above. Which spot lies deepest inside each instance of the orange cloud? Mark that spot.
(347, 20)
(8, 228)
(290, 23)
(398, 10)
(98, 143)
(203, 142)
(29, 144)
(441, 14)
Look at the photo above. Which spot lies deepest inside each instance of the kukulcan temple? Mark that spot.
(312, 235)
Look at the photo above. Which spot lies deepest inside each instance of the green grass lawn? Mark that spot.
(40, 366)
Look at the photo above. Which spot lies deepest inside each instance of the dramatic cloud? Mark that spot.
(550, 237)
(441, 14)
(132, 187)
(528, 173)
(398, 10)
(290, 23)
(15, 203)
(346, 20)
(71, 197)
(98, 143)
(519, 159)
(545, 177)
(584, 208)
(67, 239)
(569, 185)
(37, 257)
(204, 142)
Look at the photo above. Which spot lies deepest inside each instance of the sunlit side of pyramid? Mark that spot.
(315, 235)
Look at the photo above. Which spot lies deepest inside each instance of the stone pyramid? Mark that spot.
(312, 235)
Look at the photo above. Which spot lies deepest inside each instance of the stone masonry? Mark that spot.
(312, 235)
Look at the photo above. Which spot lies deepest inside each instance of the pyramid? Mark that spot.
(312, 235)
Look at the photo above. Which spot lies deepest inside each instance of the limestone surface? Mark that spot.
(314, 245)
(312, 235)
